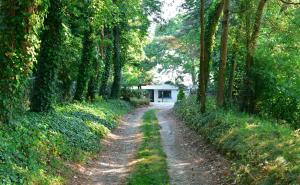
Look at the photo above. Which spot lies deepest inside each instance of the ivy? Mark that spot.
(85, 66)
(19, 21)
(47, 70)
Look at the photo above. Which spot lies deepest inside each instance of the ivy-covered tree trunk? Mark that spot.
(85, 66)
(116, 87)
(223, 54)
(17, 53)
(93, 82)
(108, 54)
(233, 65)
(66, 88)
(248, 102)
(45, 83)
(210, 31)
(93, 86)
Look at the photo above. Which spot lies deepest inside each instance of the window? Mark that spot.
(165, 94)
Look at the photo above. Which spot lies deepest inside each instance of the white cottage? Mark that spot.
(162, 93)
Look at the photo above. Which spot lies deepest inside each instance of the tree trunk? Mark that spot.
(95, 76)
(223, 54)
(108, 53)
(116, 87)
(233, 65)
(47, 69)
(248, 103)
(202, 89)
(232, 73)
(85, 66)
(93, 82)
(210, 31)
(16, 54)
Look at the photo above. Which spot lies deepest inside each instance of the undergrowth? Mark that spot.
(139, 102)
(151, 167)
(264, 152)
(36, 148)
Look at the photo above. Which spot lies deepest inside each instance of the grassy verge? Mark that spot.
(34, 150)
(264, 152)
(152, 165)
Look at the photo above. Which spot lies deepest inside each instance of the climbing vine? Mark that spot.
(19, 22)
(47, 68)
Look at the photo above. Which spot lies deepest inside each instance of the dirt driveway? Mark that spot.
(114, 162)
(191, 160)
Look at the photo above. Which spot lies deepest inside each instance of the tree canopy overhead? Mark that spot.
(46, 46)
(263, 42)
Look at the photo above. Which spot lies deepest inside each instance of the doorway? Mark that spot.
(151, 95)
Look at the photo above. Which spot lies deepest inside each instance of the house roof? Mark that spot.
(160, 87)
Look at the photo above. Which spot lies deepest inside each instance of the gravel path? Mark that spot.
(190, 159)
(114, 162)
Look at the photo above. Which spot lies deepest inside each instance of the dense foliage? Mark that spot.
(44, 86)
(53, 52)
(66, 50)
(35, 150)
(259, 72)
(19, 22)
(263, 151)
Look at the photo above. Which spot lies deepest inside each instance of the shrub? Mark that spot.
(264, 152)
(277, 90)
(132, 93)
(137, 102)
(34, 150)
(180, 95)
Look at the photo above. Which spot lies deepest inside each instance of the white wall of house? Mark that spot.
(163, 87)
(155, 95)
(174, 95)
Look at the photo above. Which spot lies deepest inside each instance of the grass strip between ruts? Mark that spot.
(151, 167)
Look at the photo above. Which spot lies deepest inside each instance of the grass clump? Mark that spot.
(36, 148)
(152, 166)
(264, 152)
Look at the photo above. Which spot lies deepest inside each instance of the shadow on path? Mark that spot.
(116, 159)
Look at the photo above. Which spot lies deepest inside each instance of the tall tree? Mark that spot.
(116, 86)
(248, 103)
(18, 20)
(46, 78)
(85, 65)
(213, 20)
(223, 54)
(95, 71)
(108, 54)
(93, 82)
(202, 87)
(233, 66)
(96, 15)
